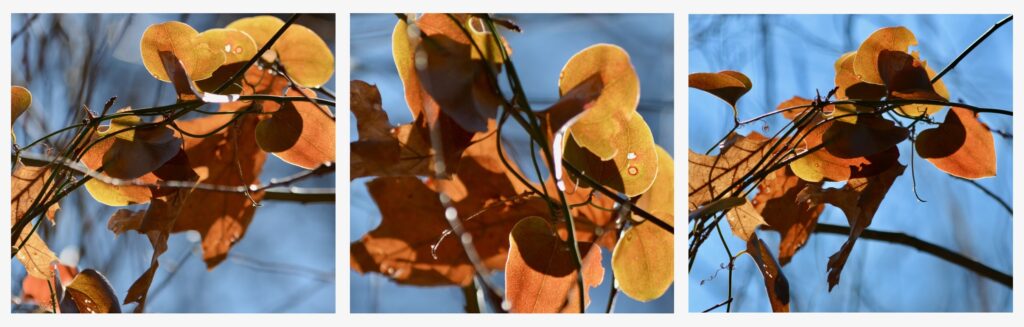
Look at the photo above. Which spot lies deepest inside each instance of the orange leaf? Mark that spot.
(198, 57)
(38, 290)
(775, 282)
(540, 276)
(744, 220)
(867, 62)
(35, 255)
(606, 71)
(961, 146)
(131, 151)
(906, 77)
(300, 133)
(227, 159)
(21, 99)
(413, 228)
(859, 199)
(727, 85)
(850, 86)
(306, 57)
(712, 175)
(824, 165)
(776, 200)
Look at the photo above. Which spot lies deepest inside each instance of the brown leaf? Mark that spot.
(744, 220)
(26, 186)
(403, 150)
(859, 199)
(132, 151)
(824, 165)
(850, 86)
(436, 64)
(776, 200)
(775, 282)
(90, 292)
(712, 175)
(488, 200)
(866, 63)
(727, 85)
(870, 135)
(541, 276)
(961, 146)
(226, 158)
(906, 77)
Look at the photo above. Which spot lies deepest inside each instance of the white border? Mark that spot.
(680, 8)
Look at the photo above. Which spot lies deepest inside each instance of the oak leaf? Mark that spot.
(776, 200)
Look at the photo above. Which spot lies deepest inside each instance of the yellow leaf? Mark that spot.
(198, 57)
(617, 101)
(305, 56)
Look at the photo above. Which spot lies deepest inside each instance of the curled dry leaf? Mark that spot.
(299, 132)
(775, 282)
(961, 146)
(643, 259)
(383, 150)
(412, 244)
(440, 75)
(199, 57)
(21, 99)
(859, 199)
(727, 85)
(776, 200)
(606, 70)
(305, 56)
(90, 292)
(540, 276)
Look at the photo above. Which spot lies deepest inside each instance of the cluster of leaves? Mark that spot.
(846, 140)
(547, 237)
(199, 174)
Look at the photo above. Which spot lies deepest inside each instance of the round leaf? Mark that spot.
(865, 64)
(305, 56)
(300, 133)
(619, 96)
(198, 57)
(21, 98)
(961, 146)
(727, 85)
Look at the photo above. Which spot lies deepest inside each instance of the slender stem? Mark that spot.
(938, 251)
(970, 48)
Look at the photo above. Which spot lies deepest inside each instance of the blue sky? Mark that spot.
(546, 43)
(796, 58)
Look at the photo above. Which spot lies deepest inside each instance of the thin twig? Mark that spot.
(937, 251)
(970, 48)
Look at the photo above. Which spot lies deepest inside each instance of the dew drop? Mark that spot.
(631, 156)
(227, 48)
(633, 170)
(450, 213)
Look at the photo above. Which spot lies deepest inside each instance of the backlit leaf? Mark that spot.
(710, 176)
(300, 133)
(619, 95)
(90, 292)
(775, 282)
(199, 58)
(907, 77)
(132, 150)
(859, 199)
(727, 85)
(634, 166)
(38, 290)
(866, 63)
(643, 258)
(824, 165)
(961, 146)
(849, 84)
(776, 200)
(236, 45)
(35, 255)
(541, 276)
(744, 220)
(305, 56)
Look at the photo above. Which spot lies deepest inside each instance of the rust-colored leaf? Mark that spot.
(299, 132)
(90, 292)
(413, 228)
(38, 290)
(824, 165)
(226, 158)
(35, 255)
(132, 150)
(850, 86)
(727, 85)
(866, 64)
(384, 150)
(540, 276)
(859, 199)
(775, 282)
(961, 146)
(906, 77)
(776, 200)
(21, 99)
(440, 74)
(712, 175)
